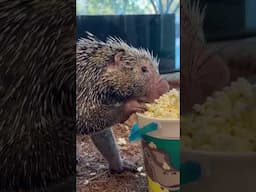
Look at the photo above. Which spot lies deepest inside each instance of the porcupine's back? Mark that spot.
(91, 62)
(192, 18)
(36, 92)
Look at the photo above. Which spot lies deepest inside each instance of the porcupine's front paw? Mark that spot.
(133, 106)
(79, 163)
(125, 165)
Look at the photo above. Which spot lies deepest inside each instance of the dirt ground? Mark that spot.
(94, 175)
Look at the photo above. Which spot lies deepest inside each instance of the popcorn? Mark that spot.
(152, 145)
(166, 166)
(225, 122)
(166, 106)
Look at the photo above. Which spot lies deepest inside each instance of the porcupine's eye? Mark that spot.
(144, 69)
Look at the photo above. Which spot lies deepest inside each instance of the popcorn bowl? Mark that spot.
(161, 152)
(222, 171)
(167, 128)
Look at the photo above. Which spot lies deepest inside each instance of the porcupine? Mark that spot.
(203, 70)
(113, 80)
(37, 89)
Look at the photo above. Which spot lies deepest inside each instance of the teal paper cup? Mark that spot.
(161, 153)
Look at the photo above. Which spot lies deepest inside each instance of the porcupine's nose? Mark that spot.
(158, 88)
(163, 86)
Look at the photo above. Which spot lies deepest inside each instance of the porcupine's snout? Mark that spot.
(155, 84)
(158, 87)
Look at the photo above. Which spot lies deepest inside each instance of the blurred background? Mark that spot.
(230, 27)
(151, 24)
(235, 19)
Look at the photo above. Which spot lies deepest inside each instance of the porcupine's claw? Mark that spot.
(79, 162)
(126, 166)
(132, 106)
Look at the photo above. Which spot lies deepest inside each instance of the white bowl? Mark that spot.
(222, 171)
(167, 128)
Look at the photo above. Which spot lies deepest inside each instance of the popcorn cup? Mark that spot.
(222, 171)
(161, 152)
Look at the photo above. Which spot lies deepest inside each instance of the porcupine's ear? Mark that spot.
(118, 57)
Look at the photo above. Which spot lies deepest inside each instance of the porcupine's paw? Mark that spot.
(125, 166)
(133, 105)
(80, 162)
